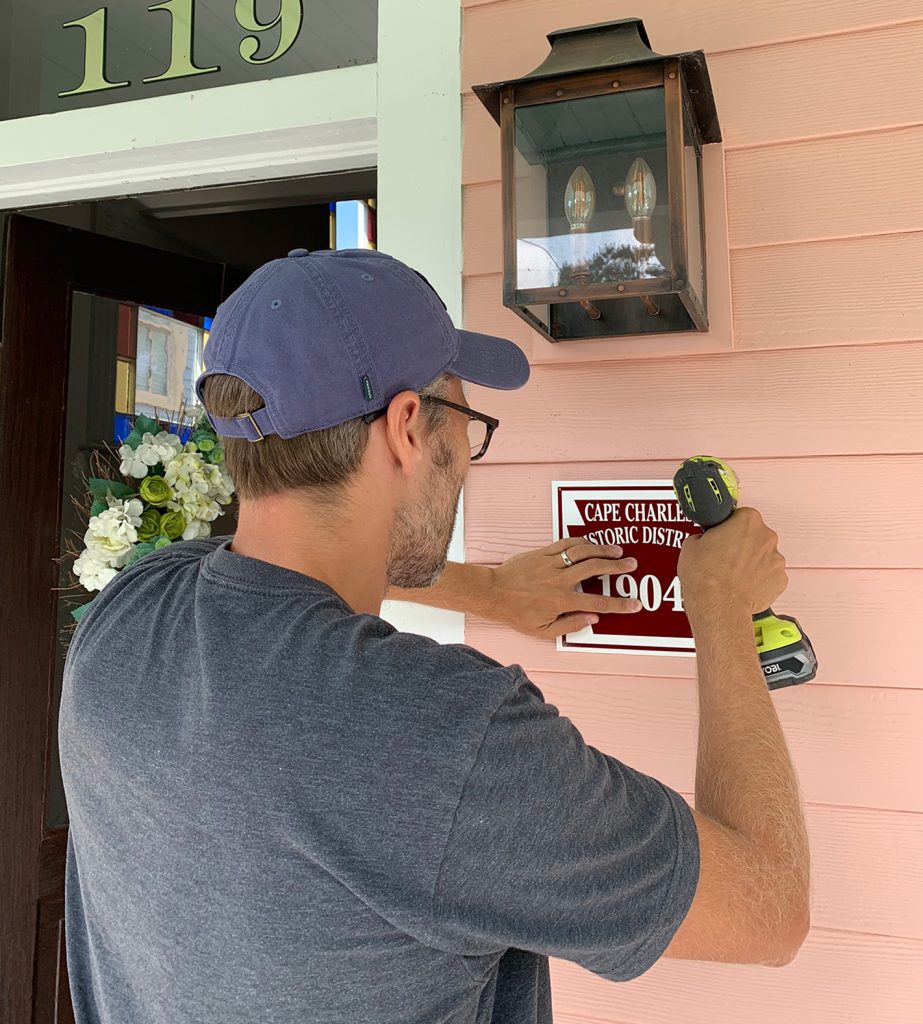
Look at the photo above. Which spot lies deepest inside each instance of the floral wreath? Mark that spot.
(172, 490)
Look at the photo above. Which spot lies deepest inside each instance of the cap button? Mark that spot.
(299, 252)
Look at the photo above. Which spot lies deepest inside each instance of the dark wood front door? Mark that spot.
(70, 302)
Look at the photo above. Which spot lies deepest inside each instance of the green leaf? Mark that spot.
(77, 613)
(145, 425)
(123, 491)
(98, 506)
(139, 551)
(133, 440)
(100, 489)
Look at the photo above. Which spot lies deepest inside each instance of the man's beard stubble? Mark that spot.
(421, 534)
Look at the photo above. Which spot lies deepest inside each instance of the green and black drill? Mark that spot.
(708, 490)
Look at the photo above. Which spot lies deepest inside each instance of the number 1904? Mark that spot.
(649, 591)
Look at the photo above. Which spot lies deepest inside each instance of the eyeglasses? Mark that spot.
(480, 426)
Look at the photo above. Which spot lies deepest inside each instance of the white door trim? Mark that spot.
(282, 127)
(419, 192)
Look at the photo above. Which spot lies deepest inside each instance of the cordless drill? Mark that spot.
(708, 490)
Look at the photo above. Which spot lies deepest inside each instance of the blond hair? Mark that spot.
(321, 460)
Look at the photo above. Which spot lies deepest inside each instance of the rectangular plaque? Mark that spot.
(644, 518)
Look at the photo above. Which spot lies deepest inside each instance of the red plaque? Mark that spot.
(644, 518)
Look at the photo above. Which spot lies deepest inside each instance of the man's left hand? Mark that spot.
(536, 592)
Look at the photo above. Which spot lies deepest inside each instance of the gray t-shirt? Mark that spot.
(283, 812)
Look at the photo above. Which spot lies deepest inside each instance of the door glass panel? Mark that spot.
(125, 359)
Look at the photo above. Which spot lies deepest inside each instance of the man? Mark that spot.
(283, 810)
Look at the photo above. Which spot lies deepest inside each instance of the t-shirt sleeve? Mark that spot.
(560, 849)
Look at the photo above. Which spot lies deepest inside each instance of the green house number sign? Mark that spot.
(182, 63)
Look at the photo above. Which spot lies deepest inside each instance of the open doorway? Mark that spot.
(242, 226)
(87, 290)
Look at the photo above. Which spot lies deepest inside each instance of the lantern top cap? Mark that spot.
(611, 45)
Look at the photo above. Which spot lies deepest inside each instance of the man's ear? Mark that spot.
(404, 431)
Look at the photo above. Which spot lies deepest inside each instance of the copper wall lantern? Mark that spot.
(603, 213)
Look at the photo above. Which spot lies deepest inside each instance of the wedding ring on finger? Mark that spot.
(567, 560)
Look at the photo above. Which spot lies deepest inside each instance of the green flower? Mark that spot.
(204, 440)
(155, 491)
(150, 524)
(215, 457)
(172, 525)
(162, 542)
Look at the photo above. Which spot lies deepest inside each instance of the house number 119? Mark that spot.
(182, 18)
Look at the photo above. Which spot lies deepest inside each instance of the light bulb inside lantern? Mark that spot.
(641, 198)
(579, 199)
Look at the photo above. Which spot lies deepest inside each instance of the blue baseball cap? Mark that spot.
(329, 336)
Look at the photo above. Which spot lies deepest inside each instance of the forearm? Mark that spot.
(745, 779)
(462, 587)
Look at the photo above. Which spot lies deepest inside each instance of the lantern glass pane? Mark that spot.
(590, 192)
(692, 181)
(540, 314)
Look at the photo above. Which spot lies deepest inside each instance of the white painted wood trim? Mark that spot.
(281, 127)
(419, 192)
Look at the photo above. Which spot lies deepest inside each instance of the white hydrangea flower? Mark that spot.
(196, 506)
(199, 488)
(222, 486)
(133, 507)
(196, 530)
(154, 448)
(185, 473)
(165, 444)
(137, 461)
(111, 535)
(93, 573)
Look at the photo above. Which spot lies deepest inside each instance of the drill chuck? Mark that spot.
(707, 489)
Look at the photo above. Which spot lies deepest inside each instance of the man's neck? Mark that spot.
(343, 547)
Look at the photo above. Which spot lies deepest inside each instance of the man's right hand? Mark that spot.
(735, 565)
(752, 902)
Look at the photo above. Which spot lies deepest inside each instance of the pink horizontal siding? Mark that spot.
(815, 394)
